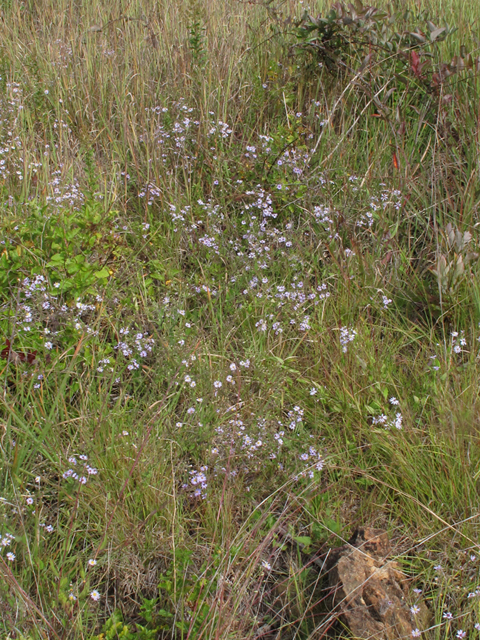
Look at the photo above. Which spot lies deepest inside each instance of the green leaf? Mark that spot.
(332, 525)
(72, 268)
(56, 260)
(70, 235)
(103, 273)
(306, 541)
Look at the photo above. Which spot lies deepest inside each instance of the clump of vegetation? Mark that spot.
(239, 313)
(349, 33)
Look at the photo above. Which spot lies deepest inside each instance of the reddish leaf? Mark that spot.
(414, 62)
(30, 356)
(17, 356)
(415, 65)
(5, 352)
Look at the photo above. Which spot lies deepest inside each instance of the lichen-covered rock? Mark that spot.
(370, 590)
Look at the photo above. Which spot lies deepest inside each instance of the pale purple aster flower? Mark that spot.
(261, 325)
(346, 335)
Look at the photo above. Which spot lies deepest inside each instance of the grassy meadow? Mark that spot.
(239, 313)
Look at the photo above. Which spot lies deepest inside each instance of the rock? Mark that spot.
(370, 590)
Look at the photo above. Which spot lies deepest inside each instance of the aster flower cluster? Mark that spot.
(171, 136)
(296, 417)
(84, 469)
(63, 193)
(251, 442)
(137, 344)
(459, 341)
(5, 541)
(198, 483)
(42, 313)
(38, 305)
(313, 462)
(346, 336)
(291, 304)
(386, 198)
(388, 423)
